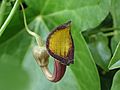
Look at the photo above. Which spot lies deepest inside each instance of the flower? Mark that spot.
(60, 46)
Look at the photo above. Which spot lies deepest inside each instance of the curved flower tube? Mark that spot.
(41, 57)
(59, 70)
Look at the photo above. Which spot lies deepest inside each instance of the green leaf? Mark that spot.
(116, 81)
(115, 11)
(79, 11)
(98, 45)
(114, 63)
(44, 15)
(115, 40)
(13, 76)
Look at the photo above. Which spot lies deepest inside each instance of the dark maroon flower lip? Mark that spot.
(69, 59)
(59, 71)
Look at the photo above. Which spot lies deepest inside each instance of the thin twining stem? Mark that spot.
(2, 11)
(37, 37)
(7, 21)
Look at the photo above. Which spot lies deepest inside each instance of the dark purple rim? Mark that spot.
(70, 57)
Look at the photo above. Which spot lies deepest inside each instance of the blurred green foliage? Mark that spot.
(96, 34)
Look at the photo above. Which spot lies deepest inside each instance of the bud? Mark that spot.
(41, 56)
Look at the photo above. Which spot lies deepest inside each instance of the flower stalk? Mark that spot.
(37, 37)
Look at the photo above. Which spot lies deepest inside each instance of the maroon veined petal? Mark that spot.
(60, 44)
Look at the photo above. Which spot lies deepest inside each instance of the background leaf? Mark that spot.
(98, 45)
(116, 81)
(115, 40)
(82, 12)
(114, 63)
(115, 44)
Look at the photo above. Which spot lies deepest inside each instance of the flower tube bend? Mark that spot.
(58, 73)
(41, 57)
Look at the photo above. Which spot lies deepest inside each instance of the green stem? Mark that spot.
(94, 31)
(109, 34)
(2, 10)
(7, 21)
(37, 37)
(109, 29)
(112, 33)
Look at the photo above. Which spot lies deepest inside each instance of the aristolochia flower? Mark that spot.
(60, 46)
